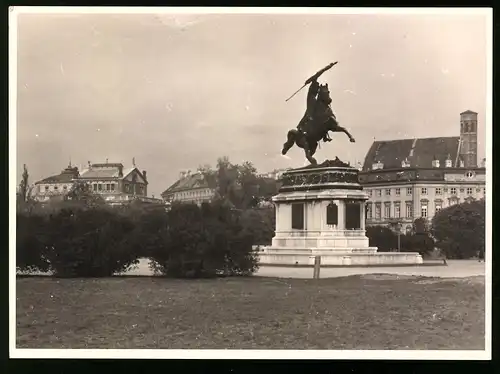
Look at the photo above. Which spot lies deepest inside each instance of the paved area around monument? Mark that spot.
(454, 269)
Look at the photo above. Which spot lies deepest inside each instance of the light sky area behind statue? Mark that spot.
(179, 91)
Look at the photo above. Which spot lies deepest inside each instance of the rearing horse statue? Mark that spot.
(318, 120)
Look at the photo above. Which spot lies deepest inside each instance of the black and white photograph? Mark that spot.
(250, 182)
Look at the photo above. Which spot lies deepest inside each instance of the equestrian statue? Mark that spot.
(317, 121)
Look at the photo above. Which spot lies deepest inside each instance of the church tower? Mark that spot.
(468, 138)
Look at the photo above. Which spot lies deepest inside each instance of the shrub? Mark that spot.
(421, 243)
(30, 247)
(202, 241)
(260, 223)
(382, 237)
(89, 243)
(459, 230)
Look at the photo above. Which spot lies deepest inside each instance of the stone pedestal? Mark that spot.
(320, 211)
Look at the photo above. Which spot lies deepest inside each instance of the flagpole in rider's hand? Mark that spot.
(313, 78)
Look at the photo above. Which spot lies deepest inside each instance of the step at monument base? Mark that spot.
(269, 256)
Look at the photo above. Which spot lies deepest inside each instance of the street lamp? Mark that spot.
(399, 226)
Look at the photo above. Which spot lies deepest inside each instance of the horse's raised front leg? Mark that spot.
(344, 130)
(291, 136)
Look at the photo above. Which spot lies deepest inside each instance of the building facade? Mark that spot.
(116, 184)
(55, 186)
(189, 188)
(411, 178)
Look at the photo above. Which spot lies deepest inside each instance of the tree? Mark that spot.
(81, 194)
(24, 199)
(421, 226)
(459, 230)
(238, 186)
(419, 239)
(24, 186)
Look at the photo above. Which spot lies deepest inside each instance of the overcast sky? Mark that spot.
(179, 91)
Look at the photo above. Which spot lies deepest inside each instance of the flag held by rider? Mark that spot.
(315, 76)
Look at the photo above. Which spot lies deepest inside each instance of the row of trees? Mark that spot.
(80, 236)
(457, 231)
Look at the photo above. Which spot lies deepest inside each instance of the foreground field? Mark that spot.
(357, 312)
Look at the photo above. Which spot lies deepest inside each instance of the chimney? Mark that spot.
(448, 163)
(90, 165)
(120, 170)
(435, 162)
(144, 174)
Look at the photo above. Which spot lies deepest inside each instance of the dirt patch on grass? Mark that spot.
(476, 280)
(383, 276)
(250, 313)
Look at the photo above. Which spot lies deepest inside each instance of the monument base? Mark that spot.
(320, 211)
(273, 256)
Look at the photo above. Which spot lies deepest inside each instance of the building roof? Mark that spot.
(188, 182)
(96, 171)
(419, 152)
(108, 171)
(66, 176)
(468, 112)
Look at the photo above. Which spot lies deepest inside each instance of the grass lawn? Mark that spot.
(357, 312)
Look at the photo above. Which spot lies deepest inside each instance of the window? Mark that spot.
(378, 209)
(368, 211)
(99, 187)
(112, 186)
(56, 188)
(379, 193)
(409, 210)
(469, 174)
(332, 214)
(95, 186)
(398, 191)
(424, 191)
(453, 191)
(352, 216)
(298, 216)
(397, 210)
(423, 210)
(46, 188)
(469, 190)
(108, 187)
(439, 191)
(408, 191)
(387, 211)
(439, 206)
(387, 192)
(369, 193)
